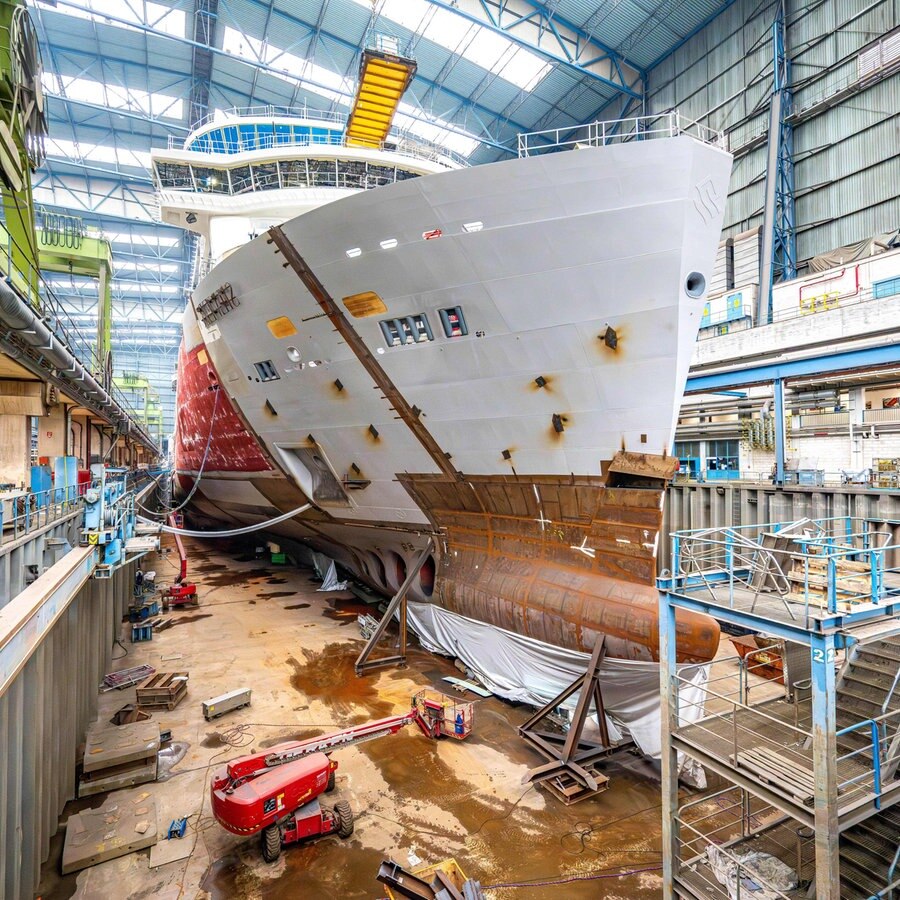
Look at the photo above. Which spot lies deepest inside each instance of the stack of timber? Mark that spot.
(809, 582)
(164, 690)
(118, 756)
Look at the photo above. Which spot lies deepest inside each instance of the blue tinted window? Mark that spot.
(231, 139)
(217, 140)
(886, 288)
(265, 135)
(282, 134)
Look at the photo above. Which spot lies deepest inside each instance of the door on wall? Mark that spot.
(723, 461)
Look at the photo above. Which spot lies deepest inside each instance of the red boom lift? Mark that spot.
(182, 593)
(276, 792)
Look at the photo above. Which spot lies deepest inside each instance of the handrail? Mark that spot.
(616, 131)
(891, 874)
(399, 141)
(35, 509)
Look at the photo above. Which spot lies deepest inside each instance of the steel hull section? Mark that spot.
(530, 406)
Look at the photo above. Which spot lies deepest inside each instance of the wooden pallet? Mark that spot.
(164, 690)
(570, 790)
(779, 771)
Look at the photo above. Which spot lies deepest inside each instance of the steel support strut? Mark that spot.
(363, 663)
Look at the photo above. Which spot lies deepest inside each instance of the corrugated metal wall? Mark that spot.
(847, 156)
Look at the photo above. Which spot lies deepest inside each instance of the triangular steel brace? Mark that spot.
(570, 752)
(363, 663)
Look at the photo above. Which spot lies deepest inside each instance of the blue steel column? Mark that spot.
(824, 728)
(669, 724)
(778, 388)
(785, 258)
(778, 259)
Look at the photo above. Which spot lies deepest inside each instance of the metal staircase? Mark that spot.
(868, 688)
(869, 857)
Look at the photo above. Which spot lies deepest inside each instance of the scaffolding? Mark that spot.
(807, 795)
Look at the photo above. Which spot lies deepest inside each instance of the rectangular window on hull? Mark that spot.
(266, 370)
(408, 330)
(454, 322)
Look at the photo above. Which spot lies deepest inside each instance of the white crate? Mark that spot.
(218, 706)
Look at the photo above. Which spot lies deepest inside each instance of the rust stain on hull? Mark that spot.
(561, 559)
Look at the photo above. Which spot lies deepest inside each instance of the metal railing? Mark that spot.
(832, 564)
(714, 830)
(862, 478)
(25, 511)
(403, 142)
(618, 131)
(729, 724)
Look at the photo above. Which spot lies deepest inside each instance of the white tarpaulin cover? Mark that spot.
(330, 582)
(520, 668)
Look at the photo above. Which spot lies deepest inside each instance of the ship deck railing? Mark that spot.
(619, 131)
(402, 142)
(814, 574)
(759, 730)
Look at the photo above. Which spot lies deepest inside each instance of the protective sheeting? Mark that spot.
(850, 253)
(739, 874)
(330, 581)
(523, 669)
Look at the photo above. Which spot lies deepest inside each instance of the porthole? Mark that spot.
(695, 285)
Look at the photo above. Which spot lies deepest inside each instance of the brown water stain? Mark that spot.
(321, 870)
(252, 602)
(183, 620)
(219, 576)
(302, 735)
(277, 581)
(213, 739)
(272, 594)
(298, 606)
(330, 675)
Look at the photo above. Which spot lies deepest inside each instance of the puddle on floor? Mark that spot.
(330, 675)
(182, 620)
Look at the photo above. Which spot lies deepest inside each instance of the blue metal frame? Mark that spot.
(784, 257)
(824, 364)
(548, 22)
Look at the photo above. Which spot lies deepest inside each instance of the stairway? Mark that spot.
(868, 682)
(867, 852)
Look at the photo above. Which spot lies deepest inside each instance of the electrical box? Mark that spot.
(218, 706)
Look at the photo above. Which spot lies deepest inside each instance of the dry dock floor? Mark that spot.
(267, 628)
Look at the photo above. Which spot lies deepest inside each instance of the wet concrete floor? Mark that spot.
(295, 648)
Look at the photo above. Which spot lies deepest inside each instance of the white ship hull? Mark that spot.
(581, 295)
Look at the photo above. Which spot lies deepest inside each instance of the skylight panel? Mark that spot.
(100, 153)
(136, 266)
(146, 240)
(114, 96)
(477, 43)
(327, 83)
(160, 18)
(436, 130)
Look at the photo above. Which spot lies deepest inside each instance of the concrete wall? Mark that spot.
(15, 449)
(44, 713)
(719, 505)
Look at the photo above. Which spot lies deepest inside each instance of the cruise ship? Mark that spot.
(482, 362)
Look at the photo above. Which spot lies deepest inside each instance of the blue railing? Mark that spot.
(22, 513)
(836, 565)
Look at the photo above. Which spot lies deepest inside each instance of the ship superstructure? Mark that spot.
(489, 357)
